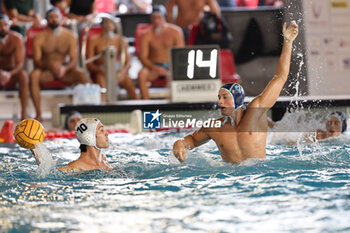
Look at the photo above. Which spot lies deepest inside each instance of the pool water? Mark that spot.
(298, 188)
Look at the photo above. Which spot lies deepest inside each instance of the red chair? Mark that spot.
(140, 29)
(31, 33)
(228, 72)
(94, 30)
(192, 37)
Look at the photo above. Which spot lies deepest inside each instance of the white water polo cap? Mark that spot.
(85, 131)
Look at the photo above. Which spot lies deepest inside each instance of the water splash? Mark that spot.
(47, 164)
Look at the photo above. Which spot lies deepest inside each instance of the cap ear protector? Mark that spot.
(85, 131)
(237, 93)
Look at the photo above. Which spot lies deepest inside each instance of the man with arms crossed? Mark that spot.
(50, 48)
(243, 132)
(154, 49)
(12, 61)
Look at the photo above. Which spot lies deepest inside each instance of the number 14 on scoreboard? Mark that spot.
(196, 57)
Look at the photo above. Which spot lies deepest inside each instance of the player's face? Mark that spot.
(334, 125)
(108, 25)
(53, 21)
(157, 20)
(73, 122)
(101, 137)
(4, 28)
(225, 102)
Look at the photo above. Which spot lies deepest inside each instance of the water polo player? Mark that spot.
(243, 131)
(92, 137)
(336, 125)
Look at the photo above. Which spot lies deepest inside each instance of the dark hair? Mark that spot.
(53, 2)
(83, 148)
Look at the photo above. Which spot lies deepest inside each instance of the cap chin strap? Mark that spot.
(230, 117)
(100, 156)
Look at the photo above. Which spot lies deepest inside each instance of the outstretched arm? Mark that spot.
(272, 91)
(189, 142)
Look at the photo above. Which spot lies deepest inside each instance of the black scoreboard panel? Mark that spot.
(195, 63)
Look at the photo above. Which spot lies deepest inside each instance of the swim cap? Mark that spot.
(85, 131)
(160, 9)
(342, 118)
(5, 18)
(53, 9)
(69, 116)
(237, 93)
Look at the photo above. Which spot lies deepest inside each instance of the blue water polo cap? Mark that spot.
(342, 118)
(237, 93)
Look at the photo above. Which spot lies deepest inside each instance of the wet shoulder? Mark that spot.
(70, 167)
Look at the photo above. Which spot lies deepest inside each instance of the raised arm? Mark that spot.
(273, 89)
(189, 142)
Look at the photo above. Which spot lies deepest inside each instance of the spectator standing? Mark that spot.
(22, 11)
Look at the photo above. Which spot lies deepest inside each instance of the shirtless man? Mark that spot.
(50, 48)
(190, 11)
(96, 46)
(11, 62)
(154, 49)
(243, 132)
(92, 137)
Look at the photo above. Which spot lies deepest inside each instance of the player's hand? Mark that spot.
(5, 77)
(291, 32)
(179, 150)
(161, 71)
(61, 72)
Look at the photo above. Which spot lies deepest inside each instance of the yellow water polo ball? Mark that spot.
(28, 133)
